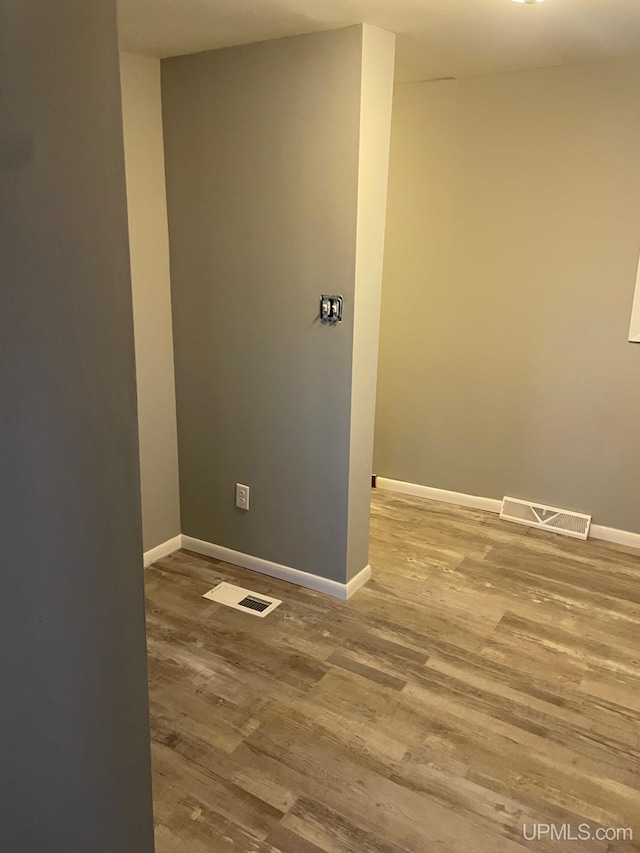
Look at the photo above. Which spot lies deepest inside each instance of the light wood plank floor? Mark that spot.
(486, 679)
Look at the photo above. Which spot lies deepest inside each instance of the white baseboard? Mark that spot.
(620, 537)
(356, 582)
(472, 501)
(607, 534)
(275, 570)
(163, 550)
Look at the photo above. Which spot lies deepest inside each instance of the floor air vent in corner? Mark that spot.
(242, 599)
(546, 517)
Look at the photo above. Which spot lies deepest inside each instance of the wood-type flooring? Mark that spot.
(483, 685)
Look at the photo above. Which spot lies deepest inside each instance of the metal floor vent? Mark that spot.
(547, 517)
(242, 599)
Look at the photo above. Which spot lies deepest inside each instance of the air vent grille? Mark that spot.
(242, 599)
(547, 517)
(253, 603)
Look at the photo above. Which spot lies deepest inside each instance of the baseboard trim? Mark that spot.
(358, 581)
(619, 537)
(276, 570)
(606, 534)
(163, 550)
(472, 501)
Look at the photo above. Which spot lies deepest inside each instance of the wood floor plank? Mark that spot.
(486, 679)
(345, 661)
(286, 841)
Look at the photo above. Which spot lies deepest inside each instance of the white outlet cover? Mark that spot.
(634, 331)
(242, 496)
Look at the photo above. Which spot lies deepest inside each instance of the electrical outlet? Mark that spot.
(242, 496)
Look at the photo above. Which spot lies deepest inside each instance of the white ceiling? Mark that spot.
(436, 38)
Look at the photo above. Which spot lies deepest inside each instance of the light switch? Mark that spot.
(331, 309)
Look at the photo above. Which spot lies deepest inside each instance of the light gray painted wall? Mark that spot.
(262, 150)
(513, 233)
(149, 242)
(378, 53)
(75, 770)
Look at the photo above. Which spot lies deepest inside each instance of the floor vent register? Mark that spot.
(242, 599)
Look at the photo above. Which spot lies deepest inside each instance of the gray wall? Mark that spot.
(378, 53)
(74, 773)
(149, 240)
(262, 156)
(513, 233)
